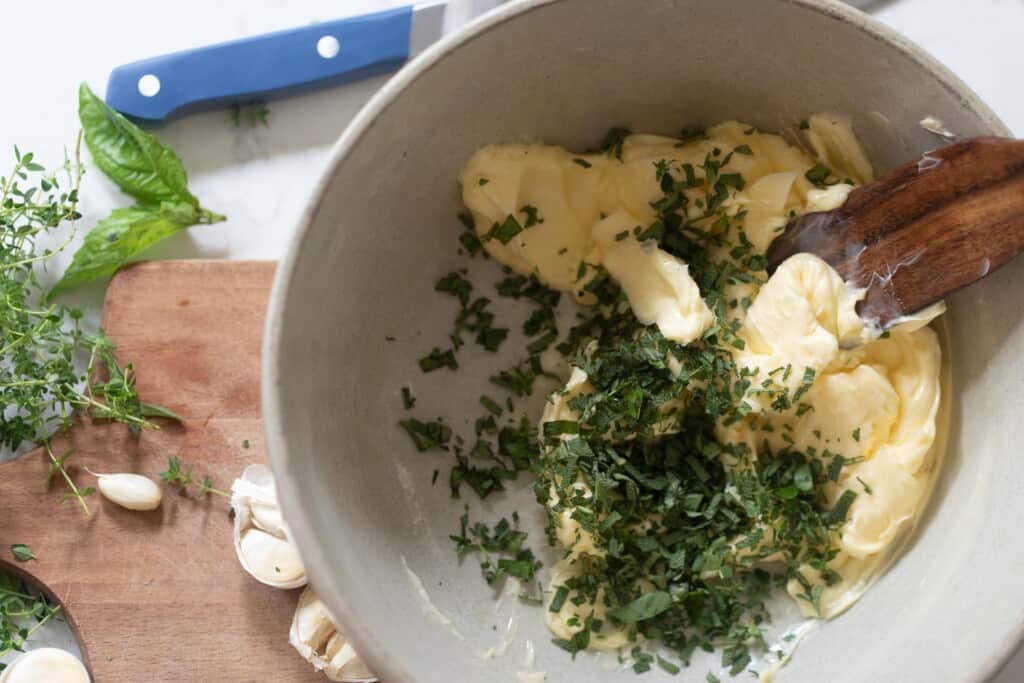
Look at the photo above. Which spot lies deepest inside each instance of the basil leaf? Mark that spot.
(122, 235)
(129, 156)
(152, 410)
(646, 606)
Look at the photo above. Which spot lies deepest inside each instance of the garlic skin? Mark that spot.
(45, 664)
(261, 537)
(132, 491)
(317, 638)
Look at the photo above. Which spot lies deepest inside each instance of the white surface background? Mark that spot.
(260, 177)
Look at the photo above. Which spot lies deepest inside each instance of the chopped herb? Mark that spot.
(818, 175)
(456, 285)
(181, 478)
(835, 467)
(867, 489)
(519, 379)
(531, 216)
(554, 428)
(647, 606)
(437, 359)
(505, 231)
(668, 666)
(743, 149)
(612, 142)
(856, 434)
(688, 135)
(582, 162)
(484, 181)
(500, 549)
(468, 239)
(838, 513)
(427, 436)
(559, 599)
(408, 400)
(641, 660)
(491, 405)
(22, 553)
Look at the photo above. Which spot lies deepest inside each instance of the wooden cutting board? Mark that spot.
(159, 596)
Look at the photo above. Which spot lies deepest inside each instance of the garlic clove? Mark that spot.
(45, 664)
(269, 558)
(267, 517)
(132, 491)
(345, 664)
(317, 638)
(261, 537)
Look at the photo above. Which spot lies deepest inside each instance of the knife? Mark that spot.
(274, 64)
(287, 62)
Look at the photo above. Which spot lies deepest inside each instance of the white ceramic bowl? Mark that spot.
(381, 228)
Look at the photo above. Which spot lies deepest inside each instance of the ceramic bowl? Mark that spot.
(381, 228)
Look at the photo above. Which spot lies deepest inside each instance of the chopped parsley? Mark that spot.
(612, 142)
(688, 135)
(819, 175)
(531, 216)
(468, 239)
(473, 316)
(504, 231)
(427, 436)
(500, 549)
(438, 359)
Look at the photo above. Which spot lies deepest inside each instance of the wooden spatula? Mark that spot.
(921, 231)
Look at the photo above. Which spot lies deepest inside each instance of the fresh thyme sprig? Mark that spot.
(18, 608)
(58, 468)
(41, 343)
(182, 479)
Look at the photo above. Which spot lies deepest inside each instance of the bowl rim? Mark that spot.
(375, 652)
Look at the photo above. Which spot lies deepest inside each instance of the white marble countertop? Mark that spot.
(260, 176)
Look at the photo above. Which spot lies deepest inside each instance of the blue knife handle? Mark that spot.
(261, 67)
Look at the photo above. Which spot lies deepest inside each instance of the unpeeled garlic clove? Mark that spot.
(262, 542)
(45, 664)
(315, 635)
(270, 559)
(132, 491)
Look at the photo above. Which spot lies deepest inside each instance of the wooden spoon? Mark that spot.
(921, 231)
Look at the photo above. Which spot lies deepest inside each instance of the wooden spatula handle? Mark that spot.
(923, 230)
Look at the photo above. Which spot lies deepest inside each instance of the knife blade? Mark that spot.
(274, 64)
